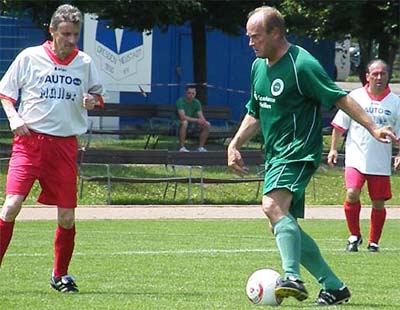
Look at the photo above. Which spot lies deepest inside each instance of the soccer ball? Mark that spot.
(260, 288)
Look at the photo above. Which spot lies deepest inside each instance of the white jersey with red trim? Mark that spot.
(51, 90)
(363, 151)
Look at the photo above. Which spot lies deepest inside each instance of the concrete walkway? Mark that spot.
(186, 212)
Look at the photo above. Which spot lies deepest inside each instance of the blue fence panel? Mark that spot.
(228, 75)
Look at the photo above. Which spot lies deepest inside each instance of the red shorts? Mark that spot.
(52, 161)
(378, 185)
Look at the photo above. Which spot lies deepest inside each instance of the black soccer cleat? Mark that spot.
(291, 287)
(64, 284)
(373, 247)
(353, 243)
(333, 297)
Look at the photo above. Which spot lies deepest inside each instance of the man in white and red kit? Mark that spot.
(366, 159)
(58, 84)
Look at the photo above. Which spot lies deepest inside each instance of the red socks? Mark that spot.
(63, 248)
(6, 231)
(378, 218)
(352, 212)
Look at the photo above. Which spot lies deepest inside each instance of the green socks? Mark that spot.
(313, 261)
(288, 240)
(296, 247)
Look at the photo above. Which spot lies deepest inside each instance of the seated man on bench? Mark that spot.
(191, 118)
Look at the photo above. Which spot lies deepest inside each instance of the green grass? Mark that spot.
(184, 264)
(325, 188)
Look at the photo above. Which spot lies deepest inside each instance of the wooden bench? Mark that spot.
(107, 158)
(138, 114)
(155, 120)
(4, 125)
(5, 150)
(327, 117)
(170, 160)
(216, 158)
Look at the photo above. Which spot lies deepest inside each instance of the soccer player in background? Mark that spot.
(58, 84)
(288, 87)
(366, 159)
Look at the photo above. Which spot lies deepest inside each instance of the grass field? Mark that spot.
(325, 188)
(184, 264)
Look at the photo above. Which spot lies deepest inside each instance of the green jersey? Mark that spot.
(191, 109)
(287, 99)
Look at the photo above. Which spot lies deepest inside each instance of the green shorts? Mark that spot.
(292, 176)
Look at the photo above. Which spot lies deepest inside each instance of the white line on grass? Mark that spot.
(178, 252)
(165, 252)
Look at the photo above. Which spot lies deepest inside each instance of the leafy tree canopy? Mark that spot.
(370, 21)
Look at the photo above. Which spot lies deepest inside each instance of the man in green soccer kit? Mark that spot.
(288, 88)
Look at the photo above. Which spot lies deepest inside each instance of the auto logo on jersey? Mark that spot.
(57, 86)
(277, 87)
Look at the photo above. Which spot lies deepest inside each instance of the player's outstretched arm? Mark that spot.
(355, 111)
(249, 127)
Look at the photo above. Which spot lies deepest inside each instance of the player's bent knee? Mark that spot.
(66, 223)
(9, 213)
(184, 124)
(11, 208)
(66, 218)
(353, 195)
(269, 211)
(378, 204)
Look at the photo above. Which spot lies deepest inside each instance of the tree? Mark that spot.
(372, 22)
(382, 21)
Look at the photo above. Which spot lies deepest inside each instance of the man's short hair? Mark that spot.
(272, 19)
(374, 61)
(190, 86)
(66, 13)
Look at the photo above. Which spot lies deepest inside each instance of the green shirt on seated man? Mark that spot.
(191, 118)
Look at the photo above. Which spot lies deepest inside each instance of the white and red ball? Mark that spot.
(260, 288)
